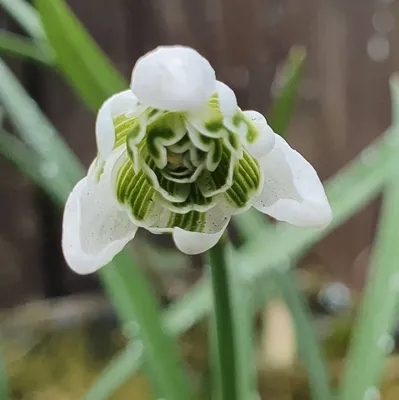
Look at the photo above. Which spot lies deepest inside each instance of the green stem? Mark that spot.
(224, 346)
(309, 349)
(137, 303)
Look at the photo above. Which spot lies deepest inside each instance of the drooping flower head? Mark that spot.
(177, 155)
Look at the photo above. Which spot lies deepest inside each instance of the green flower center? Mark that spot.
(185, 163)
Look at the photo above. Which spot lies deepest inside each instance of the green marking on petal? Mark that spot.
(250, 134)
(125, 126)
(193, 221)
(246, 182)
(209, 120)
(172, 191)
(195, 201)
(219, 180)
(233, 143)
(182, 145)
(134, 191)
(165, 131)
(215, 155)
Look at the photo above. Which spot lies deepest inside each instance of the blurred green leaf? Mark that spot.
(19, 47)
(91, 74)
(279, 119)
(281, 110)
(33, 167)
(34, 128)
(372, 339)
(26, 16)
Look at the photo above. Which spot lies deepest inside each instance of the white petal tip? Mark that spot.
(227, 99)
(93, 230)
(192, 243)
(173, 78)
(266, 139)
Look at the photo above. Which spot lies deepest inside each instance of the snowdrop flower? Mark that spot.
(177, 155)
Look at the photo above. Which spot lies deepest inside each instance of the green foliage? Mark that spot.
(372, 338)
(83, 63)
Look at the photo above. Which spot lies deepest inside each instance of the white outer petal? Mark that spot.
(173, 78)
(292, 190)
(188, 242)
(266, 141)
(121, 103)
(195, 242)
(227, 99)
(94, 229)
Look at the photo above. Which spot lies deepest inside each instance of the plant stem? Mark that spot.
(224, 346)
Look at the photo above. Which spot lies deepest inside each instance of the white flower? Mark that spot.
(177, 155)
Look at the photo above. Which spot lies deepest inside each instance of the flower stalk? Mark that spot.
(223, 328)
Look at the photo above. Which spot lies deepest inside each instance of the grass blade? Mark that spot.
(32, 166)
(19, 47)
(372, 340)
(34, 128)
(309, 350)
(91, 74)
(26, 16)
(281, 111)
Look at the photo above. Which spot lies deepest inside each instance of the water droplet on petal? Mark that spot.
(378, 48)
(49, 169)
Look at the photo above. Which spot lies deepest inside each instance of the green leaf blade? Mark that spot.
(91, 74)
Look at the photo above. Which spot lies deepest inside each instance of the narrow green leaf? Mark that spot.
(34, 128)
(19, 47)
(34, 167)
(243, 311)
(26, 16)
(281, 110)
(372, 338)
(310, 351)
(91, 74)
(4, 392)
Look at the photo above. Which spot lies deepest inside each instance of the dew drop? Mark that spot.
(49, 169)
(386, 343)
(372, 393)
(378, 48)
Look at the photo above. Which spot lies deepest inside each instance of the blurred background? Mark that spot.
(342, 105)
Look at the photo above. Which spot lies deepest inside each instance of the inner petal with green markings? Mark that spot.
(185, 163)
